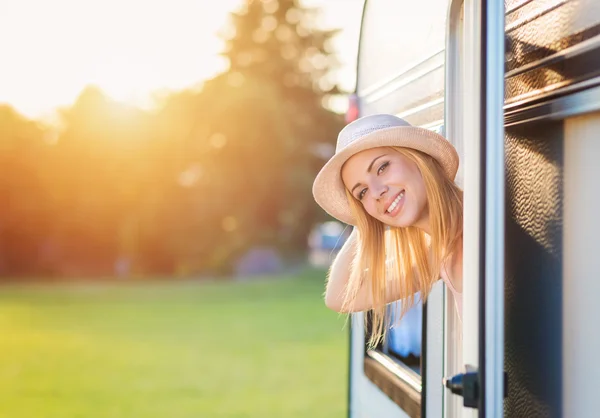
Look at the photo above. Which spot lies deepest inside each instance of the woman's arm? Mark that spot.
(339, 275)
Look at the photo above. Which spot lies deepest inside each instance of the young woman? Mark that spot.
(395, 184)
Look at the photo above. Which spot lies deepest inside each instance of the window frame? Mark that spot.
(395, 378)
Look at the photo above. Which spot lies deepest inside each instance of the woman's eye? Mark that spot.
(361, 194)
(383, 167)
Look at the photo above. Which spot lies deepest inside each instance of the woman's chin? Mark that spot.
(397, 222)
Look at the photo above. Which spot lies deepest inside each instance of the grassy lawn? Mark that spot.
(266, 348)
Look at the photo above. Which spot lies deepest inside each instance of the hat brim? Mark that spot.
(328, 187)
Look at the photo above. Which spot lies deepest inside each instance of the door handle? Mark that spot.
(467, 385)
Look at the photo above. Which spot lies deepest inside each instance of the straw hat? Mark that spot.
(374, 131)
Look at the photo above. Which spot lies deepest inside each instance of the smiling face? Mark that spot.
(389, 186)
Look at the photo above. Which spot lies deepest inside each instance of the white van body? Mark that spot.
(515, 86)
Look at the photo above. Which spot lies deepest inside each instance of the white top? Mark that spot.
(457, 295)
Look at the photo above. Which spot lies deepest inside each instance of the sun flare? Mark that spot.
(128, 48)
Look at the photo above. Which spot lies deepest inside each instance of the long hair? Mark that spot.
(405, 260)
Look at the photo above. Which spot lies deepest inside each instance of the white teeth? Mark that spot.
(395, 202)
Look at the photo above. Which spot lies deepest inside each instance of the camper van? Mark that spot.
(515, 86)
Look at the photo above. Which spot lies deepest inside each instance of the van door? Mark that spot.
(474, 118)
(536, 327)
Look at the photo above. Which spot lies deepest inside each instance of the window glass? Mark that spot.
(405, 337)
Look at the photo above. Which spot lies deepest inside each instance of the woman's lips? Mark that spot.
(396, 205)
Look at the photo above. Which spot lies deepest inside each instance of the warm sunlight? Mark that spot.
(129, 48)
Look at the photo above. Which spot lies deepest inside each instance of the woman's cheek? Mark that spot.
(372, 211)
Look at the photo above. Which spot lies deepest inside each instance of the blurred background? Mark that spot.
(160, 251)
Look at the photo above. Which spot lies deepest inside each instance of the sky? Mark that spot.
(131, 49)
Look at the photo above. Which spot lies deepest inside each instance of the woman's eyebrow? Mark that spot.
(368, 170)
(373, 162)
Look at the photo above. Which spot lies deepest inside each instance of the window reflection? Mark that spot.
(405, 337)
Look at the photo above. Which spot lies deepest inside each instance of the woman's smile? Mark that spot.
(396, 205)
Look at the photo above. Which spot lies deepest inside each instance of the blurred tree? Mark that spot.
(261, 123)
(278, 40)
(190, 187)
(232, 175)
(24, 212)
(99, 170)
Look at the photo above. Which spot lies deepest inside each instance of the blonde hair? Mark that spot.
(416, 257)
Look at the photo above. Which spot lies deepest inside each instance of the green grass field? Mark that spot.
(266, 348)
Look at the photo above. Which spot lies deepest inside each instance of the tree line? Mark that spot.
(188, 187)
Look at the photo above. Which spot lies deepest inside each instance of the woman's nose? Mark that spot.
(381, 191)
